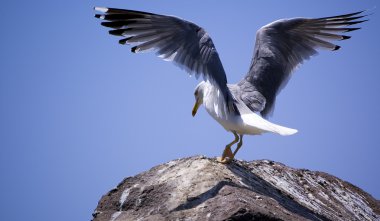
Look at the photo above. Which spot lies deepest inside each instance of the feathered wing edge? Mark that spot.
(173, 39)
(274, 61)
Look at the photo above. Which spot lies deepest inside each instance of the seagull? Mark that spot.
(241, 108)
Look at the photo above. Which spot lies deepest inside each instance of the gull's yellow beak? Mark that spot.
(195, 108)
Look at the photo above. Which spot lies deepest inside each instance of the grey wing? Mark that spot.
(174, 39)
(283, 45)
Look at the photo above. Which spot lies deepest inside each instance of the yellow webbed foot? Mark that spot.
(227, 156)
(225, 160)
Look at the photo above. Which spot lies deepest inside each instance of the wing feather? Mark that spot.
(174, 39)
(283, 45)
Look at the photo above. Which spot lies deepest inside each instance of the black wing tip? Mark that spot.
(337, 47)
(356, 22)
(352, 29)
(106, 24)
(349, 17)
(133, 49)
(124, 41)
(343, 16)
(116, 32)
(345, 37)
(112, 24)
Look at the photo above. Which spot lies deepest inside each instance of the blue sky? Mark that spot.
(79, 112)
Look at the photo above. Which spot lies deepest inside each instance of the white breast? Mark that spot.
(214, 103)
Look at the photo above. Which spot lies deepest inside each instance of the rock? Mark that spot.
(199, 188)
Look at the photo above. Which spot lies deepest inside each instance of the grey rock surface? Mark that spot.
(199, 188)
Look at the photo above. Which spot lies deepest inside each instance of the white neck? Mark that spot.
(213, 101)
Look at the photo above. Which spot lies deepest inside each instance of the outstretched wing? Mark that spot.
(283, 45)
(173, 39)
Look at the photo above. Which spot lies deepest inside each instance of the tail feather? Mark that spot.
(284, 131)
(263, 125)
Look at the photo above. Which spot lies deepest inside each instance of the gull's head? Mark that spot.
(198, 94)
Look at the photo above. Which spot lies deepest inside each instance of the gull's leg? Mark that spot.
(238, 146)
(227, 153)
